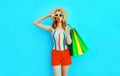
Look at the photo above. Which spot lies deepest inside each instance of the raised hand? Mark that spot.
(51, 14)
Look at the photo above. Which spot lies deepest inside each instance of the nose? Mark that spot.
(58, 18)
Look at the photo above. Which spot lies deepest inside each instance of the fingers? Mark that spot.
(68, 27)
(52, 14)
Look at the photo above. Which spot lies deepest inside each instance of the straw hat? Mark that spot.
(62, 10)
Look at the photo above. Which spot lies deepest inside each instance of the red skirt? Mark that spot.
(61, 57)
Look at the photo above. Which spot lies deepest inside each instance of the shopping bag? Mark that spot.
(78, 46)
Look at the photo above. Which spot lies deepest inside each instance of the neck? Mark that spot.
(59, 24)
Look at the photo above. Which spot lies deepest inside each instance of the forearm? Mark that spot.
(40, 19)
(37, 23)
(69, 40)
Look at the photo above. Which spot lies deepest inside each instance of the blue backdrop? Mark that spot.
(25, 50)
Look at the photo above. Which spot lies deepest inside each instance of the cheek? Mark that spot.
(56, 19)
(61, 18)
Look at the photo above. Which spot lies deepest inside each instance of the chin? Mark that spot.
(59, 21)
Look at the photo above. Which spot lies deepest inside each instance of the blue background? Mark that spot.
(25, 50)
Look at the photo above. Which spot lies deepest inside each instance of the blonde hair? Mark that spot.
(54, 24)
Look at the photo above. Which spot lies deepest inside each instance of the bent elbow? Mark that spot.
(69, 42)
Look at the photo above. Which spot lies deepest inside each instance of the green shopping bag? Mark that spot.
(78, 46)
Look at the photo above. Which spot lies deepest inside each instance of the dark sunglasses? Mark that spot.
(59, 15)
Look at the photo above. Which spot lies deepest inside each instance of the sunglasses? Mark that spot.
(59, 15)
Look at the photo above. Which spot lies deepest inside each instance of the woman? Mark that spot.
(61, 58)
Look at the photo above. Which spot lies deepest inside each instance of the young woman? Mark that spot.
(61, 59)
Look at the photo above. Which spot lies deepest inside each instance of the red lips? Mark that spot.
(58, 18)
